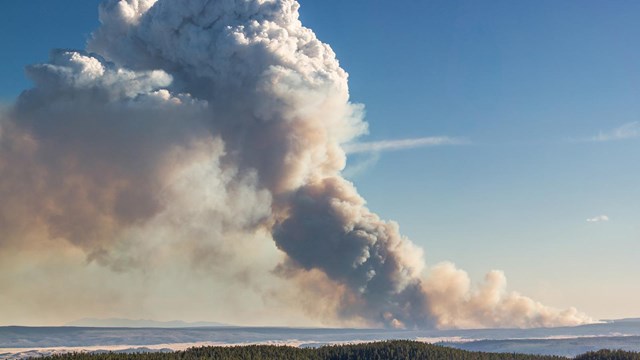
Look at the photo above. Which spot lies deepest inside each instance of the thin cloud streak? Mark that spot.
(354, 170)
(626, 131)
(391, 145)
(599, 218)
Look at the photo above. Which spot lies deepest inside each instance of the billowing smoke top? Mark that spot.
(236, 100)
(279, 96)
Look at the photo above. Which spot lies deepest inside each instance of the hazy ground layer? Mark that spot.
(563, 341)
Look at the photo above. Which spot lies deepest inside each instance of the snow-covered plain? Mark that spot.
(23, 342)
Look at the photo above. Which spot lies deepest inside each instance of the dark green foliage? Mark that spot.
(609, 355)
(385, 350)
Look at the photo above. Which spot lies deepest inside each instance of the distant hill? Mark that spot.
(140, 323)
(626, 320)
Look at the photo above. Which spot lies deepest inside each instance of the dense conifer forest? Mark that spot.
(609, 355)
(385, 350)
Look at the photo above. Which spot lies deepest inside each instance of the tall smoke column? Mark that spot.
(280, 100)
(240, 89)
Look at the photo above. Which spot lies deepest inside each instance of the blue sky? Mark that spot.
(522, 81)
(530, 85)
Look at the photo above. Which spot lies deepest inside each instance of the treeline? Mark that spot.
(609, 355)
(385, 350)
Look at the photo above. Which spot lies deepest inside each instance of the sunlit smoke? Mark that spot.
(194, 131)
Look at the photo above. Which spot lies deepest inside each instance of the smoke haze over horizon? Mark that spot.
(188, 164)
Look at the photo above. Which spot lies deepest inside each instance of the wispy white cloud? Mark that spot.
(391, 145)
(599, 218)
(361, 165)
(629, 130)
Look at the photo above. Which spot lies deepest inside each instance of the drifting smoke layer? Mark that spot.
(195, 125)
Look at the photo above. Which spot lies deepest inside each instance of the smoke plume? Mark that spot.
(203, 132)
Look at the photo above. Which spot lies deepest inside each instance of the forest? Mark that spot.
(384, 350)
